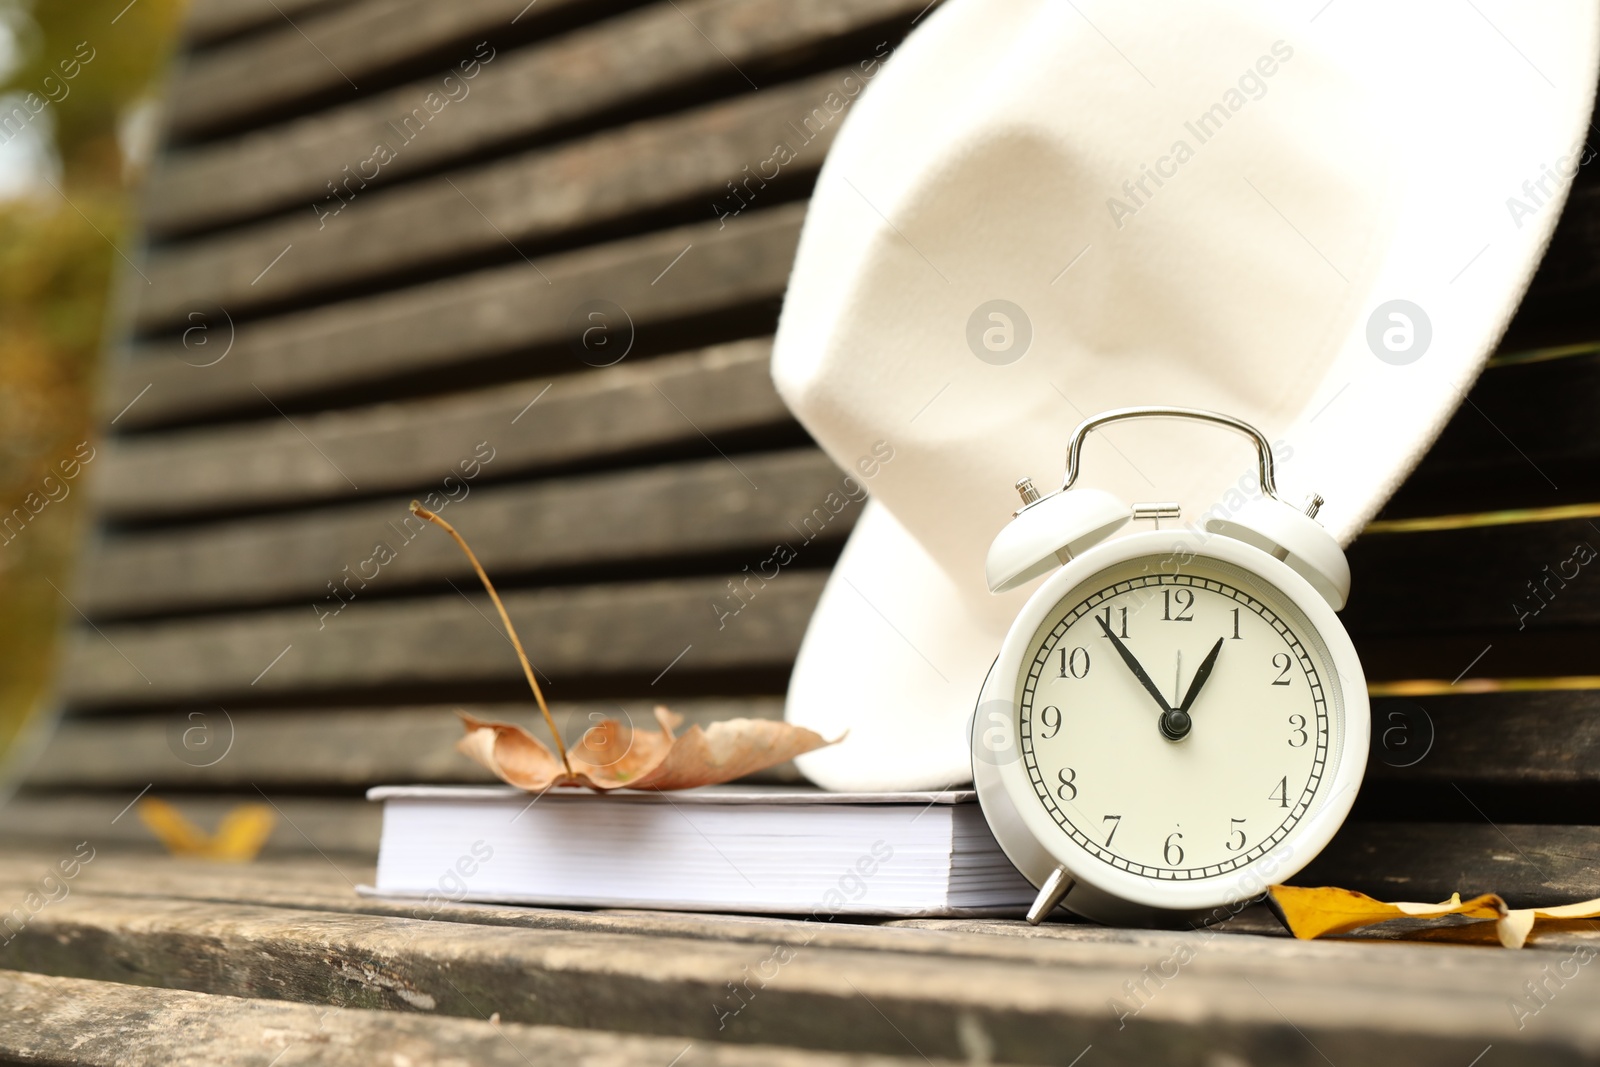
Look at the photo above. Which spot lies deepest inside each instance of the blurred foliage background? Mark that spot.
(67, 210)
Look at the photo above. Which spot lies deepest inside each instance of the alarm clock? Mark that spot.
(1177, 719)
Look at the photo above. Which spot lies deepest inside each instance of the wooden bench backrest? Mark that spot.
(516, 265)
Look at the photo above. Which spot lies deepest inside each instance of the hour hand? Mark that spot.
(1133, 665)
(1200, 676)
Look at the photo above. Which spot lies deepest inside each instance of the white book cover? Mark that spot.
(768, 850)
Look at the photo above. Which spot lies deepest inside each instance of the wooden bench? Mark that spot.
(317, 335)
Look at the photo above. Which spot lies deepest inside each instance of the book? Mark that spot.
(768, 850)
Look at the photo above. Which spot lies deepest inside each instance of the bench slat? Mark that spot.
(498, 210)
(1346, 1000)
(442, 325)
(80, 1022)
(1527, 437)
(330, 748)
(633, 59)
(308, 881)
(627, 628)
(1488, 570)
(1472, 655)
(1543, 408)
(1511, 739)
(1397, 594)
(208, 21)
(633, 518)
(587, 416)
(330, 53)
(1528, 865)
(1563, 286)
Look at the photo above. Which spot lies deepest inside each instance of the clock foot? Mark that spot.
(1055, 887)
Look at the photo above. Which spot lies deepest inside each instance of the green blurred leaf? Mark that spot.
(57, 262)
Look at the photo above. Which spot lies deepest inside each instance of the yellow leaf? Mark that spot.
(182, 837)
(239, 837)
(1310, 913)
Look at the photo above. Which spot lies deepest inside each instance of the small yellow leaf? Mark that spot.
(1311, 913)
(242, 833)
(239, 837)
(182, 837)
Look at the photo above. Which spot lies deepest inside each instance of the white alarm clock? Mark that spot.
(1176, 720)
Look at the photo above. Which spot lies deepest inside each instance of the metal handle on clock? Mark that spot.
(1269, 486)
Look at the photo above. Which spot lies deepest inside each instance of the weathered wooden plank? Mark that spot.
(310, 882)
(1570, 269)
(341, 827)
(746, 503)
(1543, 408)
(442, 325)
(1512, 576)
(1498, 654)
(326, 748)
(1511, 739)
(526, 426)
(329, 54)
(1526, 438)
(1419, 1003)
(209, 21)
(515, 205)
(73, 1021)
(632, 59)
(1528, 865)
(627, 628)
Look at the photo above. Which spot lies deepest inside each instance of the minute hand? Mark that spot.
(1133, 665)
(1201, 675)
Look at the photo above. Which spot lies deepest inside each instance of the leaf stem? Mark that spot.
(527, 668)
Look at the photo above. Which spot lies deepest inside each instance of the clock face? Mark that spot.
(1178, 722)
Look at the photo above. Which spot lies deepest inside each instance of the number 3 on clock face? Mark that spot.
(1177, 726)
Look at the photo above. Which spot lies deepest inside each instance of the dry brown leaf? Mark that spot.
(1311, 913)
(727, 750)
(613, 755)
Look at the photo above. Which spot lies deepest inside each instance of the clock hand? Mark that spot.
(1175, 723)
(1177, 680)
(1201, 675)
(1133, 665)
